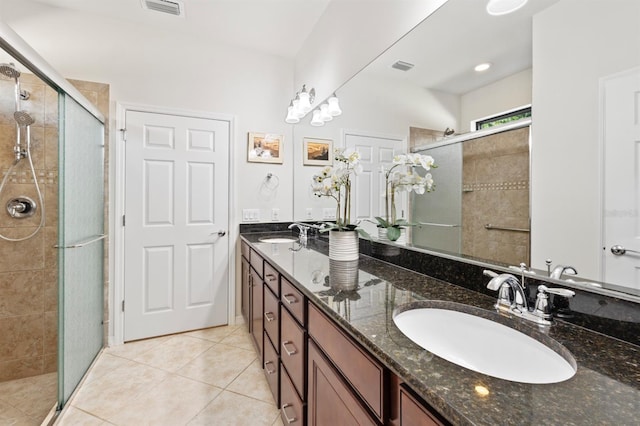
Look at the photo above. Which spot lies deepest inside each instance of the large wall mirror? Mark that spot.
(563, 58)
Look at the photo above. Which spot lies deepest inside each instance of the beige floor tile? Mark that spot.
(105, 364)
(104, 397)
(133, 349)
(10, 415)
(175, 401)
(233, 409)
(33, 396)
(240, 339)
(215, 334)
(174, 353)
(278, 421)
(74, 417)
(251, 382)
(219, 366)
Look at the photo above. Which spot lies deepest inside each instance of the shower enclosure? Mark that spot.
(52, 236)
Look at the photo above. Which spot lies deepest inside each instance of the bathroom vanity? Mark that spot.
(333, 355)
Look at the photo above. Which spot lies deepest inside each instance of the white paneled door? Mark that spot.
(621, 125)
(176, 219)
(368, 187)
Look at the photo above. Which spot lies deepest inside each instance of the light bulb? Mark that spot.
(324, 113)
(316, 120)
(305, 104)
(291, 117)
(334, 106)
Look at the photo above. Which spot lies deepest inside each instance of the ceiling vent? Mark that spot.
(402, 66)
(172, 7)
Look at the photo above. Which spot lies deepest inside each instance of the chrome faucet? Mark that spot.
(302, 230)
(559, 270)
(512, 298)
(506, 285)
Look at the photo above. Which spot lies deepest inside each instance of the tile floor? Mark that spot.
(204, 377)
(26, 402)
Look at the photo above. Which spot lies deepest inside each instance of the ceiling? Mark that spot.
(276, 27)
(460, 35)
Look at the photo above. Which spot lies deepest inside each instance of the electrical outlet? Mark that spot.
(275, 214)
(250, 215)
(329, 213)
(309, 213)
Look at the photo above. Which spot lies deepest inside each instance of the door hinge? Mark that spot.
(123, 220)
(123, 306)
(124, 134)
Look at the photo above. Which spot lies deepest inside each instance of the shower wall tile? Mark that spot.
(21, 293)
(51, 203)
(50, 285)
(23, 255)
(50, 363)
(50, 252)
(50, 345)
(21, 337)
(50, 108)
(20, 368)
(51, 148)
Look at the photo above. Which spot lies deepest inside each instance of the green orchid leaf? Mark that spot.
(393, 233)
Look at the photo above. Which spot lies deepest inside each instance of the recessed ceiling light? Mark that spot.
(482, 67)
(503, 7)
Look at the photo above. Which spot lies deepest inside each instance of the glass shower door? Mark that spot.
(80, 243)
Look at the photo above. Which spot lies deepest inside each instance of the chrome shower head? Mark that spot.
(23, 118)
(9, 71)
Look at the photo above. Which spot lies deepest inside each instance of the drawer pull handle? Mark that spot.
(290, 299)
(284, 346)
(271, 277)
(284, 413)
(269, 316)
(267, 369)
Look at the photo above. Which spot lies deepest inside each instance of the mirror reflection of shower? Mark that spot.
(22, 151)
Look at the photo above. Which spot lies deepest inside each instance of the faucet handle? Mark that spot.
(542, 307)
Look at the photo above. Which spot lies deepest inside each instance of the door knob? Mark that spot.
(618, 250)
(220, 233)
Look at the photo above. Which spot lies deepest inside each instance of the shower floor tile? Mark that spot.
(27, 401)
(203, 377)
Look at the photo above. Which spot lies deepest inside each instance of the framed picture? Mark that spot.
(317, 152)
(265, 148)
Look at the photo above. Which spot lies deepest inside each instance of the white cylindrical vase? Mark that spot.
(344, 245)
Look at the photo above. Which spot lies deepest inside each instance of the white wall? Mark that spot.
(511, 92)
(351, 34)
(575, 43)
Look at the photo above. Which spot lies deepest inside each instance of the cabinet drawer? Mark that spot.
(292, 349)
(364, 373)
(271, 317)
(414, 413)
(271, 278)
(272, 369)
(293, 300)
(257, 262)
(291, 406)
(331, 401)
(244, 249)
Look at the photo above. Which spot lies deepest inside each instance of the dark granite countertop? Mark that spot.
(604, 391)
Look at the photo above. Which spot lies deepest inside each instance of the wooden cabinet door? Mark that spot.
(330, 400)
(257, 311)
(246, 287)
(272, 369)
(291, 406)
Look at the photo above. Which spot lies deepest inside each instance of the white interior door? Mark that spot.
(621, 118)
(368, 186)
(176, 205)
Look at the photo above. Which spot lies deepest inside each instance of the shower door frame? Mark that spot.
(117, 188)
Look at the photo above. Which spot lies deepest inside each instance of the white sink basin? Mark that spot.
(278, 240)
(484, 346)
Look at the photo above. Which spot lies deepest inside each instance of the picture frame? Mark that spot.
(265, 148)
(317, 152)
